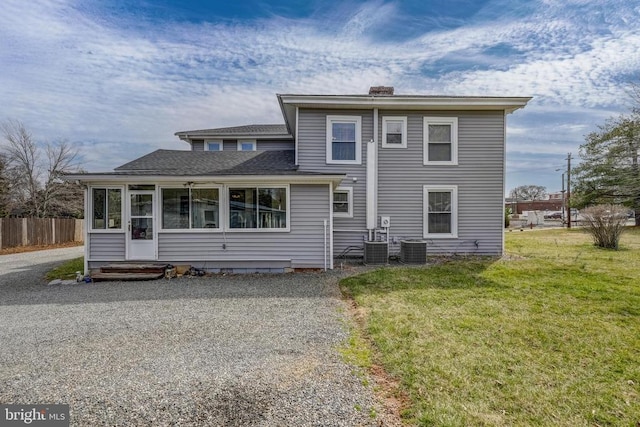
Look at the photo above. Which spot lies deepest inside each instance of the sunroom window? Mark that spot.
(258, 208)
(190, 208)
(107, 208)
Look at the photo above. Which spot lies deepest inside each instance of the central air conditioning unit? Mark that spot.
(413, 252)
(376, 253)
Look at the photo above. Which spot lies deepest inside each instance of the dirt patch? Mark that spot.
(21, 249)
(387, 388)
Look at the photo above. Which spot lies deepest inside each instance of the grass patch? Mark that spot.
(356, 351)
(67, 270)
(551, 337)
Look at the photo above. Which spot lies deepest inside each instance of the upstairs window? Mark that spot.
(394, 132)
(246, 146)
(106, 204)
(344, 145)
(441, 212)
(213, 145)
(441, 140)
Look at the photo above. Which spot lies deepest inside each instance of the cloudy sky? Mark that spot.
(118, 80)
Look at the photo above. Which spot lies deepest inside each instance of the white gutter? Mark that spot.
(408, 102)
(191, 137)
(334, 179)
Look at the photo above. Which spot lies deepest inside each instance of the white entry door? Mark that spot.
(141, 236)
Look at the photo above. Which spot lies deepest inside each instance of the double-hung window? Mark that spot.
(106, 205)
(213, 145)
(441, 211)
(344, 145)
(262, 208)
(394, 132)
(440, 140)
(190, 208)
(343, 202)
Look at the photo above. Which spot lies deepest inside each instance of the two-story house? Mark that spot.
(341, 172)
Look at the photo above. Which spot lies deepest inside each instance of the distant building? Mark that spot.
(553, 202)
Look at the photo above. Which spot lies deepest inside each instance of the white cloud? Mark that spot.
(72, 74)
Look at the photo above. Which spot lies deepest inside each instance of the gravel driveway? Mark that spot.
(237, 350)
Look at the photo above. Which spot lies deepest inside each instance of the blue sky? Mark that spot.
(118, 80)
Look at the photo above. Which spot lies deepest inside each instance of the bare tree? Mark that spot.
(21, 156)
(633, 90)
(529, 192)
(35, 170)
(5, 202)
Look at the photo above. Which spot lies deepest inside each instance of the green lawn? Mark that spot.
(67, 270)
(549, 336)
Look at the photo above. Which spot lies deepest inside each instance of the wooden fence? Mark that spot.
(39, 231)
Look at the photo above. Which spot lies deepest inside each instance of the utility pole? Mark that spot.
(564, 211)
(569, 190)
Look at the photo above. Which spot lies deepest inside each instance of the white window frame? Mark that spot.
(227, 221)
(453, 189)
(245, 141)
(349, 191)
(221, 210)
(453, 122)
(357, 120)
(385, 120)
(206, 145)
(122, 209)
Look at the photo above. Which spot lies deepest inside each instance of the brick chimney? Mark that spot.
(381, 90)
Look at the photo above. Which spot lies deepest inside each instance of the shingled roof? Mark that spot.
(205, 163)
(246, 130)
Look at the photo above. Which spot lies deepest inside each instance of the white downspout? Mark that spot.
(372, 178)
(331, 226)
(504, 175)
(85, 231)
(296, 137)
(325, 244)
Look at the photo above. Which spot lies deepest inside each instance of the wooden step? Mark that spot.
(120, 276)
(134, 268)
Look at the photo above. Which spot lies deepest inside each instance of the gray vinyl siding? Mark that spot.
(197, 145)
(303, 245)
(230, 144)
(312, 156)
(107, 246)
(478, 175)
(269, 145)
